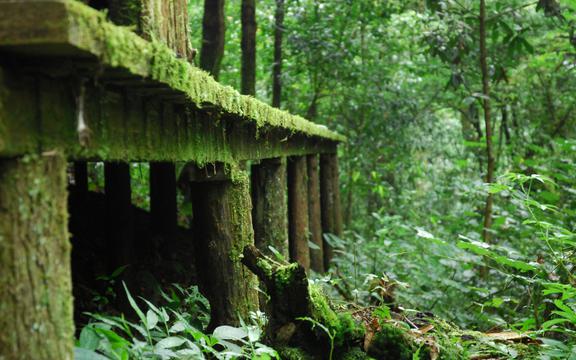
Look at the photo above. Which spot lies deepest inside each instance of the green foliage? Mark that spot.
(401, 80)
(173, 331)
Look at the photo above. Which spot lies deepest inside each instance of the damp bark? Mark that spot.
(36, 306)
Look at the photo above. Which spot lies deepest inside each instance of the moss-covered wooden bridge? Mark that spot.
(76, 88)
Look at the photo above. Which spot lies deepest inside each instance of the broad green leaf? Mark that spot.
(170, 342)
(226, 332)
(151, 319)
(86, 354)
(88, 339)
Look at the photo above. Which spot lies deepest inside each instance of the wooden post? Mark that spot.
(330, 202)
(36, 315)
(298, 211)
(163, 205)
(314, 215)
(120, 219)
(222, 225)
(270, 207)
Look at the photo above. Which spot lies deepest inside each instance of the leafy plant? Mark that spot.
(168, 332)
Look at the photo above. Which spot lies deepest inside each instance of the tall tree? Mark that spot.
(277, 67)
(248, 86)
(487, 121)
(213, 30)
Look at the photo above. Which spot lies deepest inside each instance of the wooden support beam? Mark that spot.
(222, 225)
(163, 205)
(35, 283)
(330, 202)
(298, 210)
(120, 219)
(270, 207)
(314, 215)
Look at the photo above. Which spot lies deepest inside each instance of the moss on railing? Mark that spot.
(119, 47)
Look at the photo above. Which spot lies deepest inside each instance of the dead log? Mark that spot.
(300, 315)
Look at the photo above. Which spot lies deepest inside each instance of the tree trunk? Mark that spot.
(314, 214)
(248, 86)
(330, 202)
(486, 231)
(270, 207)
(277, 66)
(36, 314)
(213, 30)
(298, 210)
(222, 226)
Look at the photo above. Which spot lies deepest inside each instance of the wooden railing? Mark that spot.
(75, 88)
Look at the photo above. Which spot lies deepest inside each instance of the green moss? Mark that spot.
(344, 327)
(150, 131)
(348, 329)
(355, 354)
(392, 343)
(321, 310)
(118, 47)
(291, 353)
(239, 202)
(284, 276)
(265, 266)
